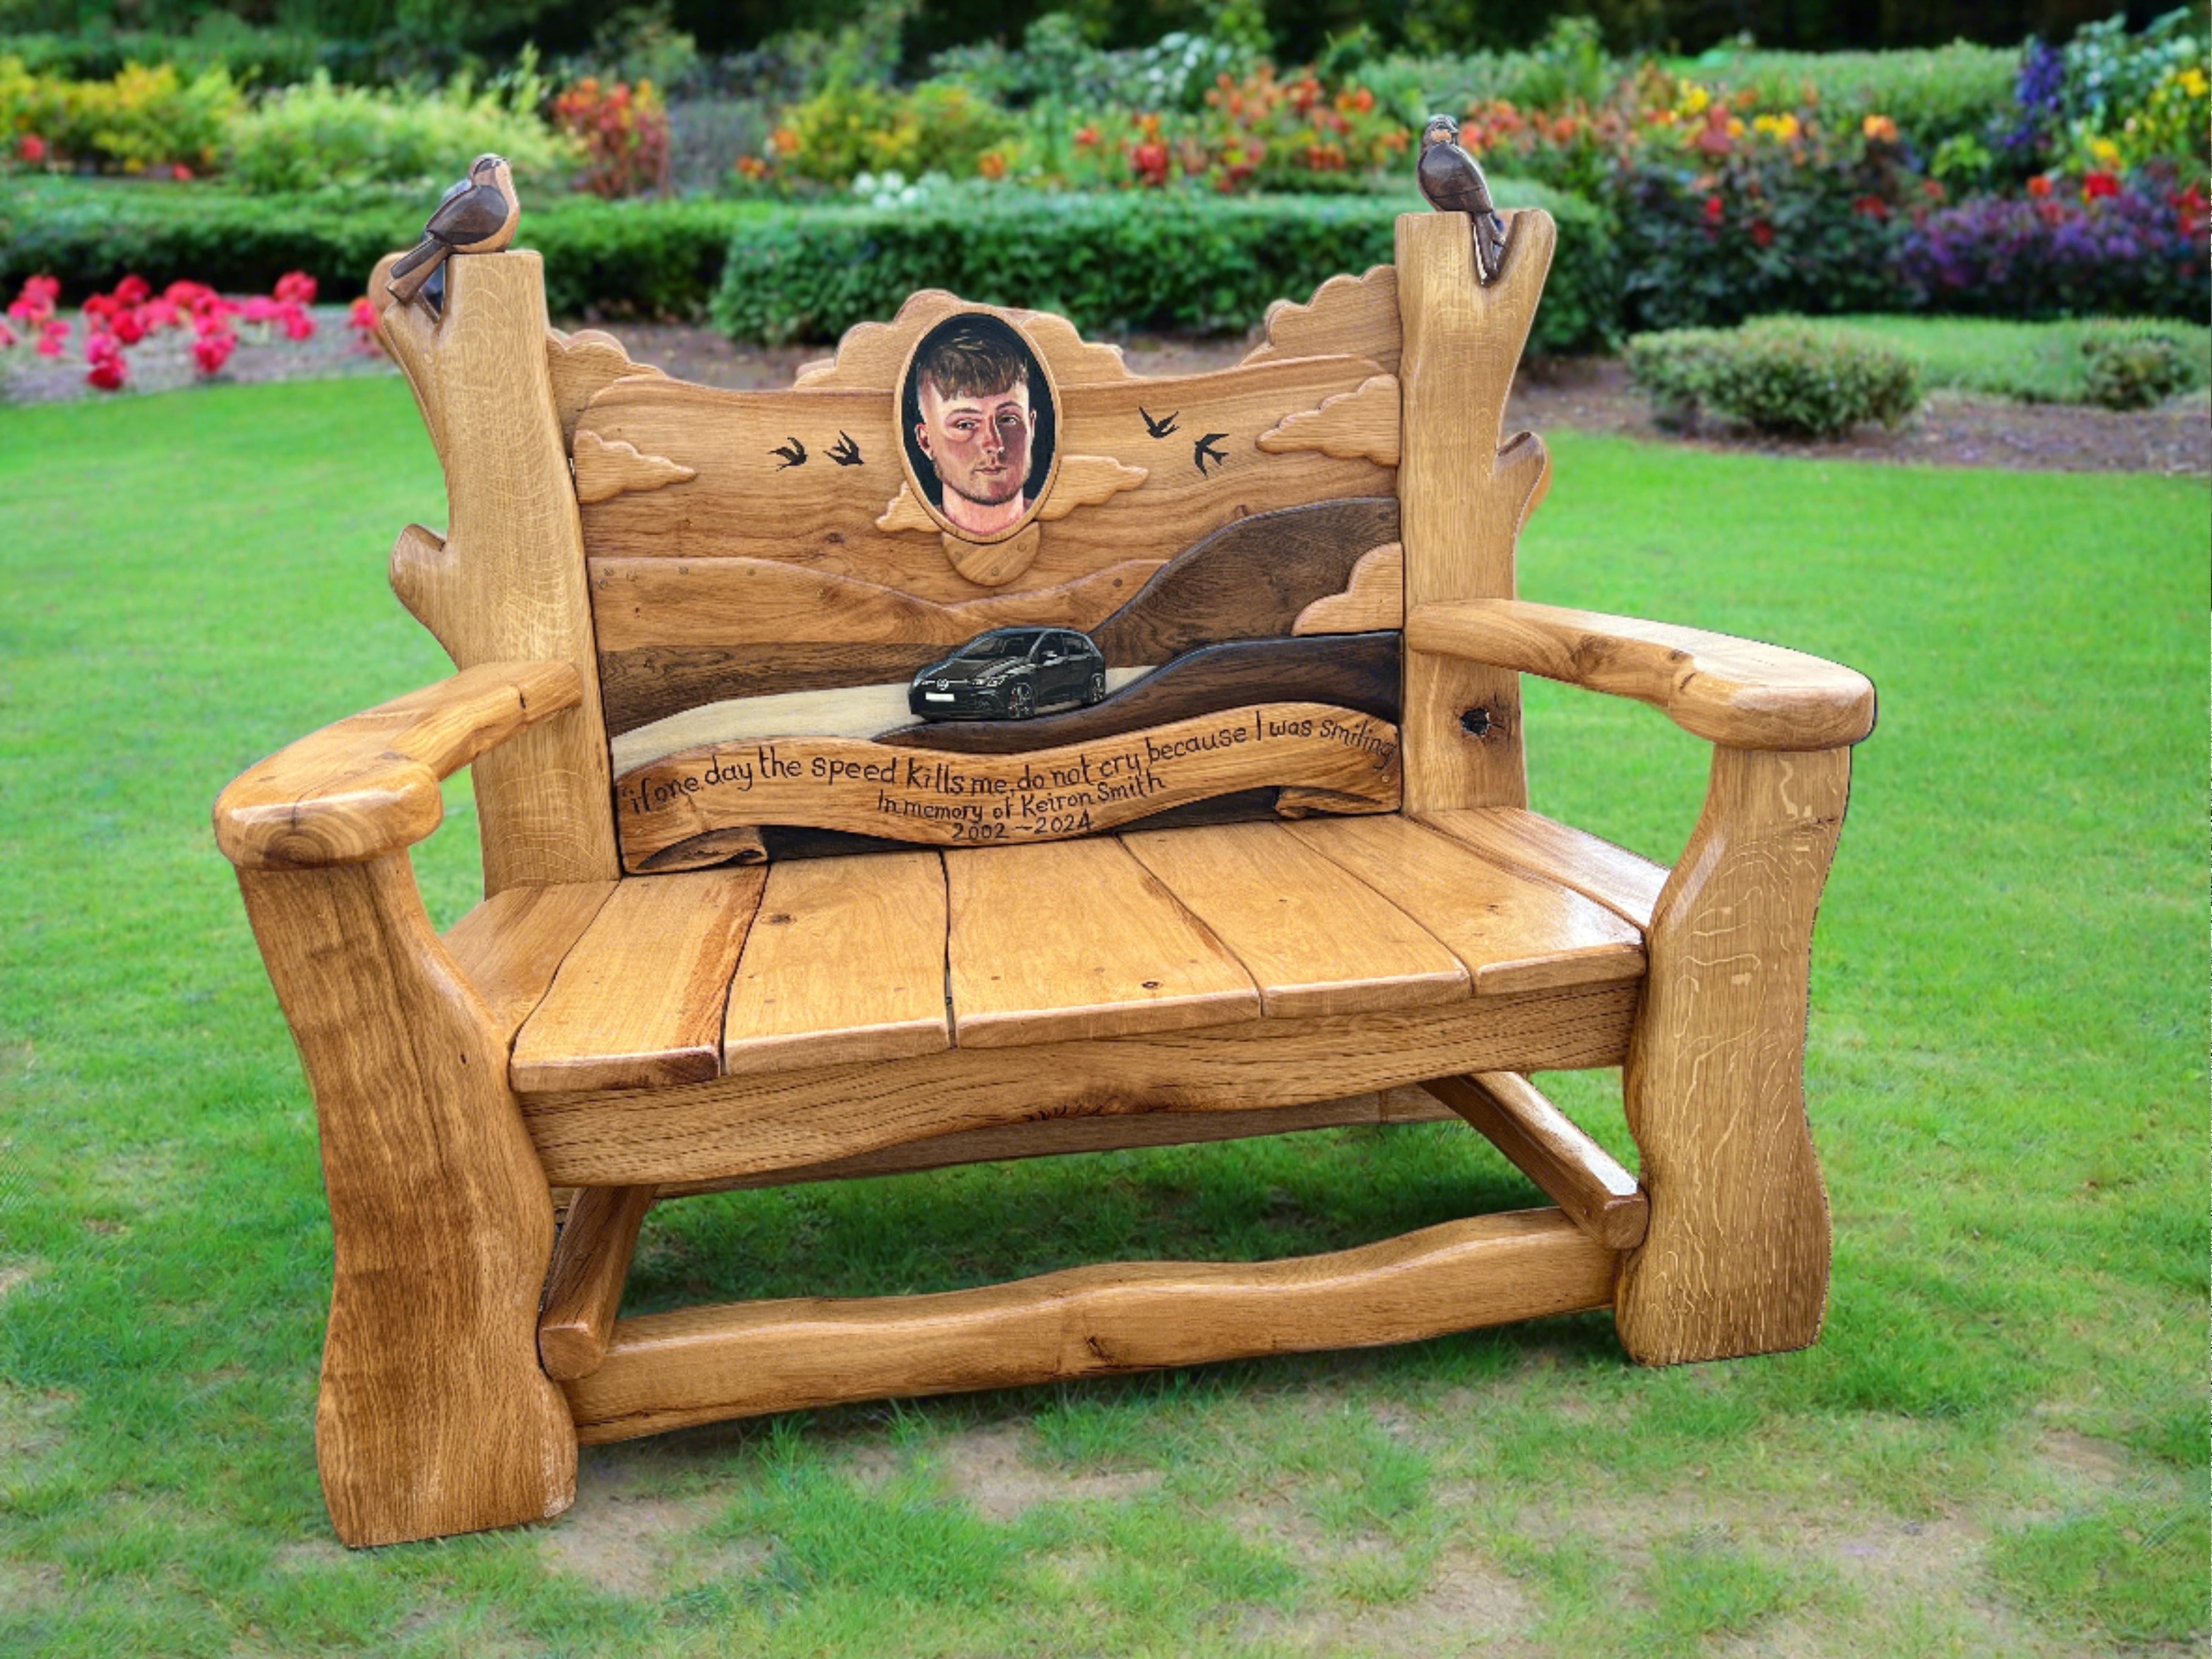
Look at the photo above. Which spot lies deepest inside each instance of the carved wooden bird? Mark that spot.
(1453, 182)
(476, 215)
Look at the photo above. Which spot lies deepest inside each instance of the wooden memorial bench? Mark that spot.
(1219, 826)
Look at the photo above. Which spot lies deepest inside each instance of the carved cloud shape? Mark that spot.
(605, 469)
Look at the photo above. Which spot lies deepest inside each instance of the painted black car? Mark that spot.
(1009, 674)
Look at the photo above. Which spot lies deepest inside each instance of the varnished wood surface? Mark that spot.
(1053, 1137)
(1544, 1144)
(1355, 316)
(869, 354)
(509, 947)
(1357, 672)
(1466, 489)
(1736, 1260)
(845, 962)
(1361, 424)
(751, 1125)
(1626, 883)
(667, 1370)
(651, 683)
(433, 1415)
(1011, 800)
(580, 364)
(1742, 693)
(506, 583)
(1313, 938)
(1075, 939)
(1373, 597)
(368, 784)
(583, 1292)
(1250, 580)
(748, 502)
(1514, 931)
(639, 1001)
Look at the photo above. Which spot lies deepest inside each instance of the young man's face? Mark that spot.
(980, 445)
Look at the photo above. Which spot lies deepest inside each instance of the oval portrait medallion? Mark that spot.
(979, 421)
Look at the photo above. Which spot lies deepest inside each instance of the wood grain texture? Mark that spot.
(432, 1416)
(638, 1001)
(583, 1292)
(507, 585)
(1362, 424)
(1356, 672)
(1350, 316)
(604, 470)
(1739, 692)
(1542, 1142)
(870, 356)
(1313, 938)
(1076, 481)
(1465, 491)
(667, 1370)
(946, 800)
(1374, 597)
(367, 785)
(845, 962)
(749, 502)
(735, 602)
(1055, 1137)
(751, 1125)
(1626, 883)
(509, 947)
(1075, 939)
(1250, 580)
(1515, 931)
(1737, 1260)
(580, 364)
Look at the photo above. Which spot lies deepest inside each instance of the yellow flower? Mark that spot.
(2194, 83)
(2106, 152)
(1879, 127)
(1735, 127)
(1695, 99)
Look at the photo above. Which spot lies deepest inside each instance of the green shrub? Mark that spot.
(1782, 378)
(139, 120)
(318, 134)
(939, 126)
(639, 258)
(1932, 94)
(2138, 368)
(2043, 362)
(1109, 261)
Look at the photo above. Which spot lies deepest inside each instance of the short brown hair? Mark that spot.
(968, 362)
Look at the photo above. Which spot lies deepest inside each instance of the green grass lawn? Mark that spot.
(1999, 1446)
(2035, 362)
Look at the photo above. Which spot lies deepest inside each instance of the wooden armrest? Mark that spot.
(1738, 693)
(369, 785)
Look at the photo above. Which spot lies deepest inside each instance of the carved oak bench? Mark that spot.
(975, 751)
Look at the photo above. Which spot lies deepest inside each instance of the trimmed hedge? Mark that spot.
(1781, 377)
(1112, 262)
(643, 259)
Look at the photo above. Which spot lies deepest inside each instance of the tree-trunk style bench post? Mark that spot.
(977, 751)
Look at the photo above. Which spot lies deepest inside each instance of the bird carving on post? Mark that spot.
(476, 215)
(1453, 182)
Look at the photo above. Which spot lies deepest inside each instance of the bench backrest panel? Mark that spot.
(1190, 606)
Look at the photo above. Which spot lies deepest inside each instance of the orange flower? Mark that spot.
(991, 164)
(1879, 127)
(2039, 186)
(785, 141)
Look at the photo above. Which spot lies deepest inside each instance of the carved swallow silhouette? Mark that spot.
(793, 453)
(1160, 427)
(1203, 451)
(844, 451)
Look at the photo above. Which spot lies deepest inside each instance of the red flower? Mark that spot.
(1086, 136)
(51, 337)
(109, 367)
(1871, 207)
(31, 149)
(128, 328)
(2039, 186)
(1714, 208)
(212, 350)
(1150, 161)
(8, 336)
(1762, 234)
(2100, 184)
(296, 288)
(298, 325)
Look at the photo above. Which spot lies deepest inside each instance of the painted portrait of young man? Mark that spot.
(979, 424)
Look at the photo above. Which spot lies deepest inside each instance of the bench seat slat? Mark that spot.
(510, 946)
(638, 1003)
(1314, 937)
(1062, 941)
(845, 962)
(1627, 884)
(1515, 931)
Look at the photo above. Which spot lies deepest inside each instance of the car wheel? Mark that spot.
(1097, 693)
(1021, 703)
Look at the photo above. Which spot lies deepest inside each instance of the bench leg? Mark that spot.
(1736, 1259)
(434, 1416)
